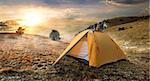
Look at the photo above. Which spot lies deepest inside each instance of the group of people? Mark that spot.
(96, 27)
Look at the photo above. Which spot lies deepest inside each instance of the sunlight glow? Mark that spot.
(32, 18)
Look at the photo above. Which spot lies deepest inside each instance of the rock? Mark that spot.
(54, 35)
(40, 65)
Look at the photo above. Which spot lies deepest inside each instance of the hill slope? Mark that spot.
(30, 58)
(123, 20)
(134, 39)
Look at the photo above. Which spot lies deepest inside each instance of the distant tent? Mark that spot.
(95, 47)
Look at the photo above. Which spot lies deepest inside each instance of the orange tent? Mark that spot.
(95, 47)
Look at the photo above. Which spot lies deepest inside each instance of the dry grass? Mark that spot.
(134, 40)
(30, 58)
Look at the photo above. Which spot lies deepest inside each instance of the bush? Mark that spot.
(122, 28)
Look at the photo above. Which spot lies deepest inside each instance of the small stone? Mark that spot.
(40, 65)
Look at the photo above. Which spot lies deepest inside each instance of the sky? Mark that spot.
(70, 15)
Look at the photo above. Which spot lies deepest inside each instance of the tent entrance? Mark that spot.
(83, 53)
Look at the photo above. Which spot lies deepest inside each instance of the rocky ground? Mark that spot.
(30, 58)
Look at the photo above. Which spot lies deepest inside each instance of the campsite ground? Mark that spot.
(30, 57)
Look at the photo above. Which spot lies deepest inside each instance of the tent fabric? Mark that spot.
(101, 48)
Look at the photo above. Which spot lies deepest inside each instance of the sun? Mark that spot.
(32, 18)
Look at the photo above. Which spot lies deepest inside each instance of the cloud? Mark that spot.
(52, 3)
(71, 1)
(126, 2)
(70, 9)
(19, 2)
